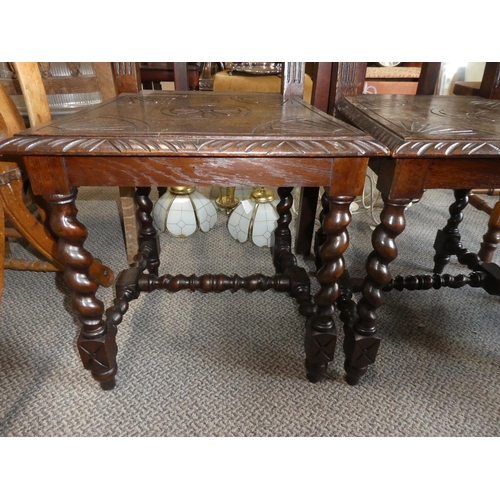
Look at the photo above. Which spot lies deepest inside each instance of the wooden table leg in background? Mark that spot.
(361, 342)
(321, 336)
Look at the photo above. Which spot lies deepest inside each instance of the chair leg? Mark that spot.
(36, 234)
(492, 237)
(96, 343)
(447, 240)
(308, 204)
(321, 333)
(362, 340)
(130, 229)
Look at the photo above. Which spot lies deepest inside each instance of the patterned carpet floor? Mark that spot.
(193, 364)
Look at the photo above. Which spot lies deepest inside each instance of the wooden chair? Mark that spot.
(85, 84)
(333, 81)
(262, 138)
(13, 206)
(338, 80)
(67, 87)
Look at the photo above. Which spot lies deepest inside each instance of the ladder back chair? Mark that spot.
(15, 210)
(68, 87)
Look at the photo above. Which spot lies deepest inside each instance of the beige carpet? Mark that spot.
(193, 364)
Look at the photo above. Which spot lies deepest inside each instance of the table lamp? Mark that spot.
(181, 210)
(255, 218)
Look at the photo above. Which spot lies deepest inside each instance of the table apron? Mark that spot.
(175, 171)
(57, 175)
(408, 178)
(473, 173)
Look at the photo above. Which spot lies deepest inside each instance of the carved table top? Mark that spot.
(428, 126)
(156, 123)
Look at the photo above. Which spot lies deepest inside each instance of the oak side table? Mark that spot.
(436, 142)
(181, 138)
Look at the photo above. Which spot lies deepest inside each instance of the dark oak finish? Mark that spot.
(154, 139)
(447, 142)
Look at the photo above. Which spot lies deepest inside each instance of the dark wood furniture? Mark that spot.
(45, 91)
(436, 142)
(18, 209)
(190, 138)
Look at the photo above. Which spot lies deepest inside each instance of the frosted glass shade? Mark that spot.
(182, 214)
(255, 222)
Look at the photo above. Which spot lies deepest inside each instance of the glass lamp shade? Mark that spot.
(255, 219)
(181, 211)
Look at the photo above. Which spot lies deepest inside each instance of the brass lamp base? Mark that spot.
(227, 202)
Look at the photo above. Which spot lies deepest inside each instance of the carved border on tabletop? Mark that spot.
(401, 147)
(448, 148)
(155, 146)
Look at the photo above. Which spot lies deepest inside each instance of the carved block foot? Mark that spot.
(360, 351)
(99, 356)
(320, 349)
(353, 375)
